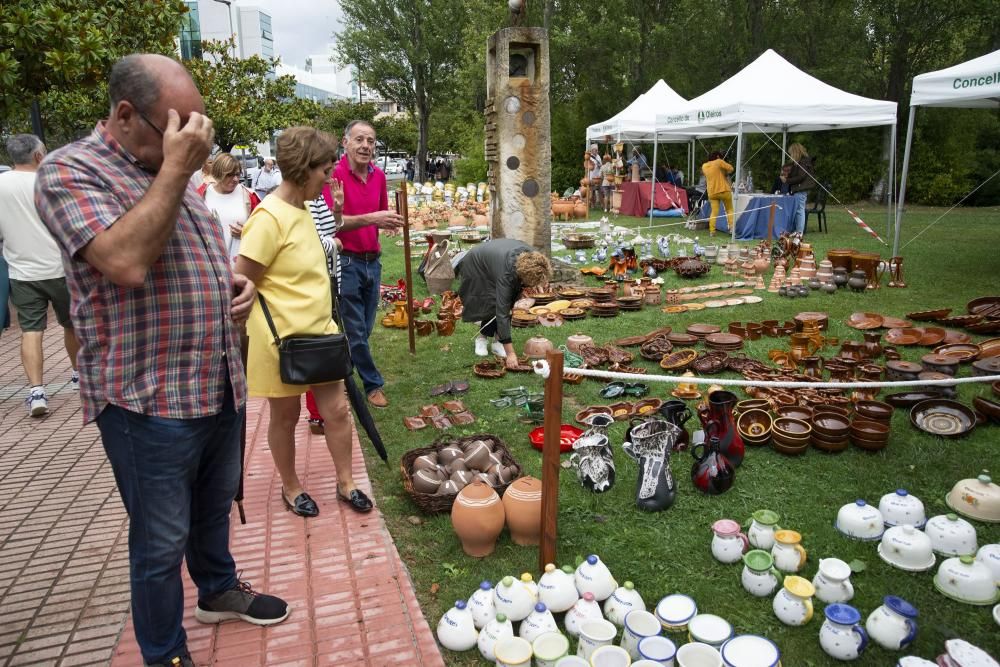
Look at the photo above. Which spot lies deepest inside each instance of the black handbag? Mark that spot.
(308, 359)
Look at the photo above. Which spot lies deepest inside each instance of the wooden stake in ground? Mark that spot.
(550, 459)
(770, 222)
(403, 209)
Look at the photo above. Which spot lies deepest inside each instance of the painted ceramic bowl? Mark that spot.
(750, 651)
(675, 611)
(907, 548)
(964, 579)
(860, 521)
(977, 498)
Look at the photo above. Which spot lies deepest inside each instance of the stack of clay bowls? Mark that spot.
(870, 435)
(755, 426)
(831, 431)
(790, 436)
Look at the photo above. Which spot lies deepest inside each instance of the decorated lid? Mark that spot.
(726, 527)
(507, 581)
(710, 628)
(501, 617)
(799, 586)
(860, 502)
(567, 569)
(787, 537)
(540, 607)
(629, 585)
(966, 559)
(588, 596)
(592, 559)
(549, 568)
(485, 586)
(758, 559)
(900, 606)
(766, 517)
(844, 614)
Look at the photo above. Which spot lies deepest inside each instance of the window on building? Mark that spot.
(191, 33)
(266, 37)
(385, 107)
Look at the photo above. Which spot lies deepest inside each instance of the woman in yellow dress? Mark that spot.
(282, 254)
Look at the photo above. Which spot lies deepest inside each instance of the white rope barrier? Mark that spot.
(542, 368)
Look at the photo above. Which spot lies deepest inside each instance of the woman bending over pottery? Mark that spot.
(493, 275)
(716, 171)
(284, 257)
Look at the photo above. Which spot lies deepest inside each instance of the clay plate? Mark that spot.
(908, 399)
(593, 410)
(984, 305)
(673, 310)
(963, 352)
(929, 315)
(940, 416)
(904, 336)
(990, 409)
(539, 310)
(952, 337)
(702, 330)
(685, 395)
(724, 340)
(678, 338)
(989, 348)
(985, 327)
(696, 306)
(864, 321)
(631, 341)
(895, 323)
(932, 336)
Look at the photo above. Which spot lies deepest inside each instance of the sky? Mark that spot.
(301, 27)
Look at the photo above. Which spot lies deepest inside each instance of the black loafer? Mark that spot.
(303, 505)
(357, 499)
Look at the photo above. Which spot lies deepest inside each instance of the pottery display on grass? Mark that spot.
(860, 521)
(907, 548)
(833, 581)
(624, 600)
(456, 630)
(477, 516)
(763, 524)
(793, 603)
(759, 577)
(977, 498)
(728, 542)
(900, 508)
(496, 630)
(638, 625)
(841, 635)
(557, 589)
(481, 605)
(964, 579)
(522, 503)
(538, 622)
(788, 553)
(513, 599)
(892, 625)
(951, 535)
(593, 576)
(586, 608)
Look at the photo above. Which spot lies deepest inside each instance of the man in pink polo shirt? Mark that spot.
(366, 210)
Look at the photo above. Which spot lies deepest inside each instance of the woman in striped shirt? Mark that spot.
(326, 223)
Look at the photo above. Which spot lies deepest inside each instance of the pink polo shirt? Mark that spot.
(361, 197)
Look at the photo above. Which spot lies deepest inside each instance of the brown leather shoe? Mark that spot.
(377, 398)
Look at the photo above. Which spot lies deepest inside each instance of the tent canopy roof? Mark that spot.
(975, 83)
(637, 121)
(770, 95)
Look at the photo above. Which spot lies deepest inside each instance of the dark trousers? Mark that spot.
(360, 292)
(177, 479)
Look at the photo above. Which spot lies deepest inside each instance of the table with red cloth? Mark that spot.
(635, 198)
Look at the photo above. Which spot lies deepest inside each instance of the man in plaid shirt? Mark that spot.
(157, 309)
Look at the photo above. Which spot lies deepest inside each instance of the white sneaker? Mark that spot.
(481, 346)
(496, 347)
(37, 404)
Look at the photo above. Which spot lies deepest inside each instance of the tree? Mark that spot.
(245, 102)
(55, 48)
(405, 50)
(334, 117)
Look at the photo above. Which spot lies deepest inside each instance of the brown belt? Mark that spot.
(363, 256)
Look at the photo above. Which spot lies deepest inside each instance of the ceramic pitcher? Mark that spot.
(892, 626)
(841, 635)
(759, 578)
(763, 524)
(833, 581)
(677, 413)
(712, 472)
(728, 543)
(793, 603)
(717, 419)
(788, 554)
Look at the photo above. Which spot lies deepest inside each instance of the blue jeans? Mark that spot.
(800, 211)
(360, 292)
(177, 479)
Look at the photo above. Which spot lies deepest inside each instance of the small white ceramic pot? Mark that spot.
(674, 612)
(456, 630)
(639, 624)
(728, 543)
(893, 626)
(833, 581)
(762, 528)
(951, 535)
(759, 577)
(572, 661)
(697, 654)
(658, 649)
(594, 633)
(989, 555)
(549, 648)
(789, 555)
(750, 651)
(793, 603)
(710, 629)
(841, 635)
(899, 508)
(610, 656)
(513, 652)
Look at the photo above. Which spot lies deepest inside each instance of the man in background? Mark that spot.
(268, 178)
(37, 278)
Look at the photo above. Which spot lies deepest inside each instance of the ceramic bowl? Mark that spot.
(989, 555)
(913, 661)
(830, 444)
(860, 521)
(788, 447)
(795, 412)
(944, 417)
(951, 535)
(835, 409)
(831, 425)
(792, 429)
(874, 410)
(907, 548)
(960, 653)
(752, 404)
(755, 424)
(584, 415)
(977, 498)
(964, 579)
(710, 629)
(907, 399)
(675, 611)
(750, 651)
(899, 508)
(869, 430)
(987, 408)
(940, 363)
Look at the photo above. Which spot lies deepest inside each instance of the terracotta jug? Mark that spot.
(718, 421)
(873, 347)
(477, 515)
(522, 502)
(811, 367)
(801, 346)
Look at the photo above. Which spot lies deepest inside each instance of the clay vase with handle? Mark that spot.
(712, 473)
(718, 421)
(478, 515)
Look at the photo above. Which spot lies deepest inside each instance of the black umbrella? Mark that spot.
(244, 351)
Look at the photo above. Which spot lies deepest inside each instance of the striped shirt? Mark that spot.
(326, 227)
(165, 348)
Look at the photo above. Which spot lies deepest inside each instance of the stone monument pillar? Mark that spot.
(518, 148)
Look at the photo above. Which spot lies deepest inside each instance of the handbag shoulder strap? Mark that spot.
(267, 316)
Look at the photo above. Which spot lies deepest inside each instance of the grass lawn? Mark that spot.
(951, 263)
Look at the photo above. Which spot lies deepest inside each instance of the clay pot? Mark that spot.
(857, 281)
(426, 481)
(522, 502)
(425, 461)
(536, 347)
(477, 455)
(576, 340)
(449, 454)
(580, 210)
(477, 516)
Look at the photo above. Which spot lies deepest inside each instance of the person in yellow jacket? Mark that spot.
(718, 188)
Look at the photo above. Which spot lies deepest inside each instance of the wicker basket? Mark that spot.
(432, 503)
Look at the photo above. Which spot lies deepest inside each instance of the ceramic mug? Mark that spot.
(594, 633)
(610, 656)
(549, 648)
(697, 654)
(513, 652)
(658, 650)
(572, 661)
(639, 624)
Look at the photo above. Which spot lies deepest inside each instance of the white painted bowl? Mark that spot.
(907, 548)
(951, 535)
(966, 580)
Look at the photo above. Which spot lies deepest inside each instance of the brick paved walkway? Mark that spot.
(64, 591)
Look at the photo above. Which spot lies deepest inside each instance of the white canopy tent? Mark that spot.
(972, 85)
(771, 94)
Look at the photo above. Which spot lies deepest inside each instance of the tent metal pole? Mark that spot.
(902, 181)
(731, 215)
(784, 142)
(892, 181)
(652, 188)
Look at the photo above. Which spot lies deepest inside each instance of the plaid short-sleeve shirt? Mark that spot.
(163, 349)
